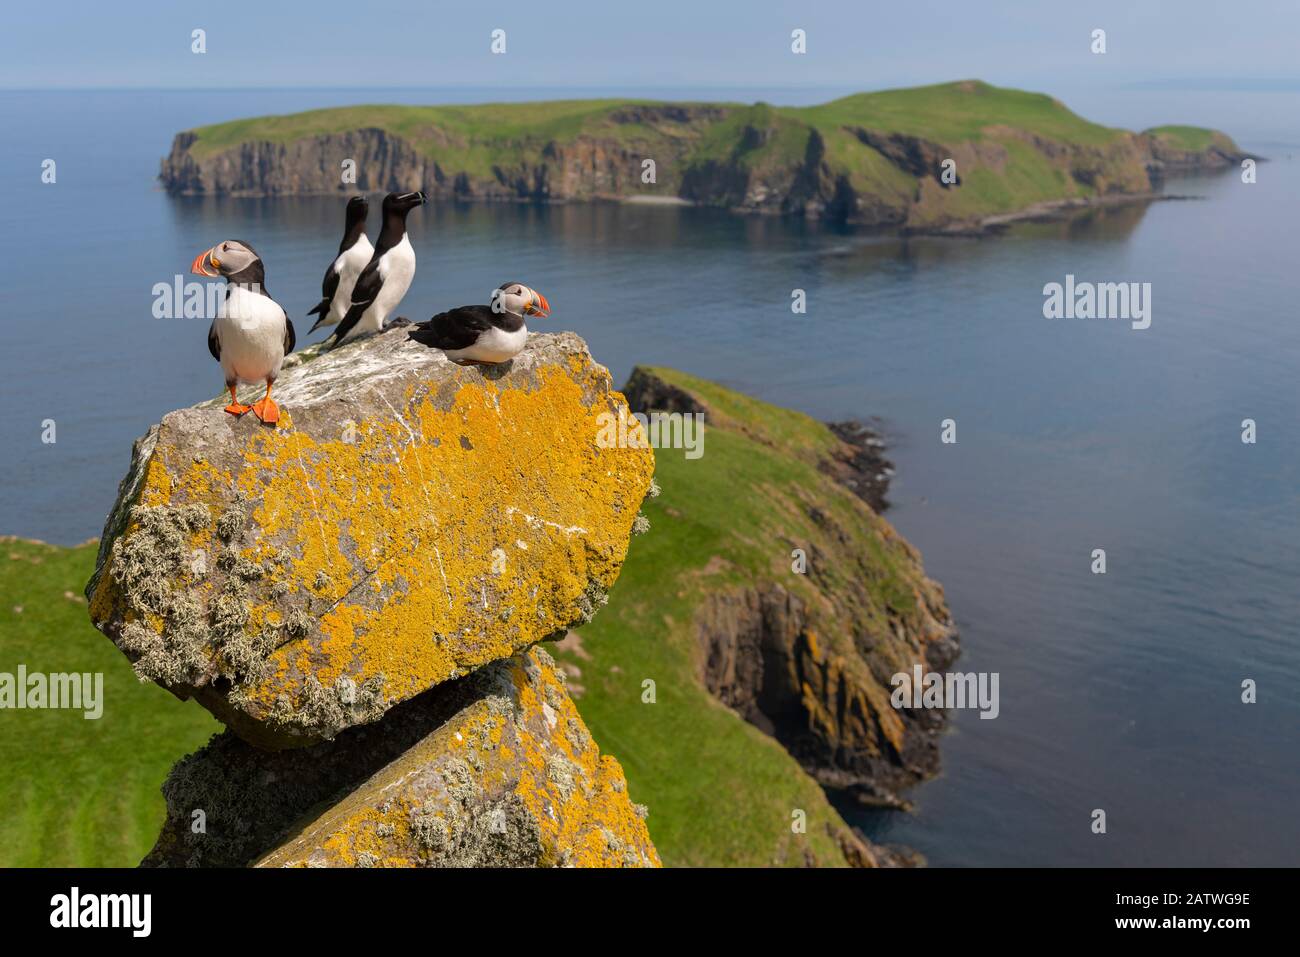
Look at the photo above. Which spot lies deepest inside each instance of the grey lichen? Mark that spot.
(297, 623)
(591, 601)
(145, 564)
(640, 524)
(324, 712)
(232, 519)
(455, 833)
(563, 774)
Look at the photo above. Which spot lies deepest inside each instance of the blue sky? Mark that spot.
(654, 43)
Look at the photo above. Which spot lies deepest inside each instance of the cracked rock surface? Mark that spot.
(409, 521)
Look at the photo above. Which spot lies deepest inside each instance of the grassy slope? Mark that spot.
(1193, 139)
(947, 112)
(719, 791)
(78, 792)
(954, 112)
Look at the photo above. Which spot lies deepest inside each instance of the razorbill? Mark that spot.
(484, 335)
(353, 255)
(387, 276)
(251, 334)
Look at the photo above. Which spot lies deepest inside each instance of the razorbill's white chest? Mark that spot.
(252, 334)
(354, 253)
(484, 335)
(387, 276)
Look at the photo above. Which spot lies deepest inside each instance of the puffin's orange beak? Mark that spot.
(539, 306)
(202, 262)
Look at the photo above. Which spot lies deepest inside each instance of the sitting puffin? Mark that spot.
(251, 335)
(484, 335)
(341, 276)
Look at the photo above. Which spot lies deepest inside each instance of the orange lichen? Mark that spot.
(508, 780)
(452, 532)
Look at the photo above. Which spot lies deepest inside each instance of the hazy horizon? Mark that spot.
(402, 43)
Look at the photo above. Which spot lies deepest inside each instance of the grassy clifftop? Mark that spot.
(768, 681)
(872, 157)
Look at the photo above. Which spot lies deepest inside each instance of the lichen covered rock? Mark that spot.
(496, 769)
(409, 521)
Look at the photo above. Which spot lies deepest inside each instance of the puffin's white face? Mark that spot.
(518, 300)
(224, 259)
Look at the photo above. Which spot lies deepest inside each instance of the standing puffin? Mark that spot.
(387, 276)
(484, 335)
(353, 255)
(251, 335)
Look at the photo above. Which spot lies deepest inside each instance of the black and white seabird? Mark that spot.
(484, 335)
(387, 276)
(252, 334)
(354, 253)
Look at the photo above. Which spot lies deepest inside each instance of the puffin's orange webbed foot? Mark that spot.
(236, 408)
(267, 411)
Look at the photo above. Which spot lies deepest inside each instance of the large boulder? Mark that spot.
(496, 769)
(407, 522)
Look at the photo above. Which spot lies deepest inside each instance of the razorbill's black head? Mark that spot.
(358, 207)
(399, 204)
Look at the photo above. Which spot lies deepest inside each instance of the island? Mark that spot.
(953, 157)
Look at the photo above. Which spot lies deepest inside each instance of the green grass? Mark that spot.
(77, 792)
(1193, 139)
(720, 792)
(960, 111)
(948, 112)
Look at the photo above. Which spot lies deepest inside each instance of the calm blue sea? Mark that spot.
(1118, 692)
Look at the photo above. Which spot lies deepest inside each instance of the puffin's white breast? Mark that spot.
(495, 345)
(251, 332)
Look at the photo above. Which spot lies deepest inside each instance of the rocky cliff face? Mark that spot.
(408, 524)
(807, 654)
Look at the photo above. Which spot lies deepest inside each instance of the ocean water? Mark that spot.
(1119, 692)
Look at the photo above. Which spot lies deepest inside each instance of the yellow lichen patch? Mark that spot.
(577, 796)
(346, 569)
(427, 508)
(512, 779)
